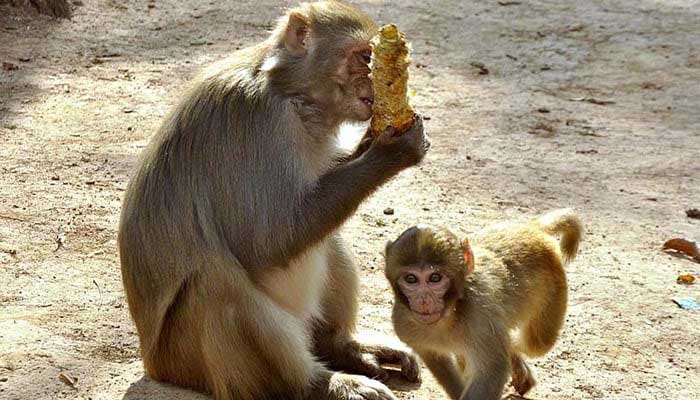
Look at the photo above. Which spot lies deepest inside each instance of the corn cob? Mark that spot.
(390, 60)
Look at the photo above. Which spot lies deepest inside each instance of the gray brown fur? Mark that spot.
(54, 8)
(235, 276)
(518, 283)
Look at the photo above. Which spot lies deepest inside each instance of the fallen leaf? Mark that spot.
(589, 133)
(110, 54)
(11, 252)
(7, 66)
(685, 246)
(592, 100)
(685, 279)
(482, 68)
(651, 85)
(68, 380)
(693, 213)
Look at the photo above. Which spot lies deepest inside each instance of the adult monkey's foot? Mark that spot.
(365, 359)
(356, 387)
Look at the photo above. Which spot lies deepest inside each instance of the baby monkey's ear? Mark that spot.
(468, 255)
(387, 247)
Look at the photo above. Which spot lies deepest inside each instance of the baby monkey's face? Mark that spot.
(426, 267)
(425, 287)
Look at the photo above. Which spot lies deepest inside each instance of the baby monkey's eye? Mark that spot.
(410, 278)
(435, 277)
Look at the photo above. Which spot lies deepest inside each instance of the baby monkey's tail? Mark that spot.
(564, 223)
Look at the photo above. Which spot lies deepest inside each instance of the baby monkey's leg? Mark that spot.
(522, 379)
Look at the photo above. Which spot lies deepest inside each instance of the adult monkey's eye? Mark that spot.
(435, 277)
(367, 57)
(410, 278)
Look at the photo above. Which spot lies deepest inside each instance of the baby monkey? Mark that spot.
(472, 312)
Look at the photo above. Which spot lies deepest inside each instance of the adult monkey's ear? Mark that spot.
(468, 255)
(297, 34)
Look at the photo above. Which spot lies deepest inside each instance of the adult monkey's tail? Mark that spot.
(566, 224)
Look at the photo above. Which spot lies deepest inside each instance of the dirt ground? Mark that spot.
(509, 89)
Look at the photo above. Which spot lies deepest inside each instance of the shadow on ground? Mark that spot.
(146, 389)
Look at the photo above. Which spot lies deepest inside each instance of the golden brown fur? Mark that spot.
(518, 287)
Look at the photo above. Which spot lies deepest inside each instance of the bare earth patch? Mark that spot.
(532, 106)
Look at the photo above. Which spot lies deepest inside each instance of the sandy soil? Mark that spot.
(508, 144)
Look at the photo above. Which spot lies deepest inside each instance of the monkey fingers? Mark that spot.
(364, 145)
(367, 364)
(357, 387)
(426, 143)
(410, 370)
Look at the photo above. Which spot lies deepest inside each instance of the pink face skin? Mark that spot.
(425, 287)
(362, 84)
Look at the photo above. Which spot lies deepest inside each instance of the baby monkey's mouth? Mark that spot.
(429, 317)
(367, 100)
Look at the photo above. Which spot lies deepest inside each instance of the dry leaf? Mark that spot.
(68, 380)
(592, 100)
(685, 279)
(685, 246)
(7, 66)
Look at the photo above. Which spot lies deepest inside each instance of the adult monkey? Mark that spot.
(234, 275)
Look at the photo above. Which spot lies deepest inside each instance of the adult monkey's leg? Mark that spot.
(221, 317)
